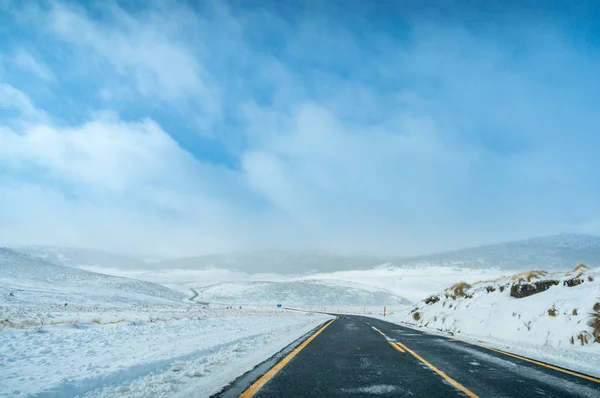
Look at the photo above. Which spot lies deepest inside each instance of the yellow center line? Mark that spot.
(439, 372)
(569, 372)
(396, 346)
(254, 388)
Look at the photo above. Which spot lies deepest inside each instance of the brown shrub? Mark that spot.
(459, 289)
(594, 323)
(597, 307)
(490, 289)
(590, 278)
(432, 300)
(416, 316)
(527, 276)
(574, 311)
(502, 289)
(572, 340)
(521, 290)
(552, 311)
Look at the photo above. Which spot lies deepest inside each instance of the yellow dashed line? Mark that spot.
(439, 372)
(396, 346)
(533, 361)
(254, 388)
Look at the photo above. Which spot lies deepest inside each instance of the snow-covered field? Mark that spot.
(560, 325)
(413, 284)
(190, 352)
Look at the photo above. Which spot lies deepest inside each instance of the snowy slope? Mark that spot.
(517, 308)
(294, 293)
(25, 280)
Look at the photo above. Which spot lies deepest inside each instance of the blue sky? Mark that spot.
(399, 127)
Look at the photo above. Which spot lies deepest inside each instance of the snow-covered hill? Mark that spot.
(298, 293)
(25, 280)
(557, 309)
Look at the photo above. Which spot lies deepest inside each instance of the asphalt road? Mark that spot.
(360, 356)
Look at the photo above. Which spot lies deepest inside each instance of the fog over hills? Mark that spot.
(552, 252)
(74, 257)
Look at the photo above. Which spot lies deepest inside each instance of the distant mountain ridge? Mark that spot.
(562, 251)
(553, 252)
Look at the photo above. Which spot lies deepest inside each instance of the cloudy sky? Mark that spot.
(182, 128)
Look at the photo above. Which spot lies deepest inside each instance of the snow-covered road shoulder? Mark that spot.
(195, 355)
(549, 316)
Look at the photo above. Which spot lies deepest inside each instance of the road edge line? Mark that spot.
(257, 385)
(449, 379)
(539, 363)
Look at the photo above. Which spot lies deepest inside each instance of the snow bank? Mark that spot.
(550, 316)
(196, 354)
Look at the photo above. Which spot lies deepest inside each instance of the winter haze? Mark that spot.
(175, 130)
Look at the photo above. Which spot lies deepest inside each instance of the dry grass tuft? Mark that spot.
(459, 289)
(528, 276)
(584, 338)
(574, 311)
(597, 307)
(552, 311)
(416, 316)
(502, 289)
(581, 267)
(96, 321)
(590, 278)
(572, 340)
(490, 289)
(432, 300)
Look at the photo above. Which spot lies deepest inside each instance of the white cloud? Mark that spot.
(26, 61)
(114, 184)
(151, 50)
(16, 101)
(409, 154)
